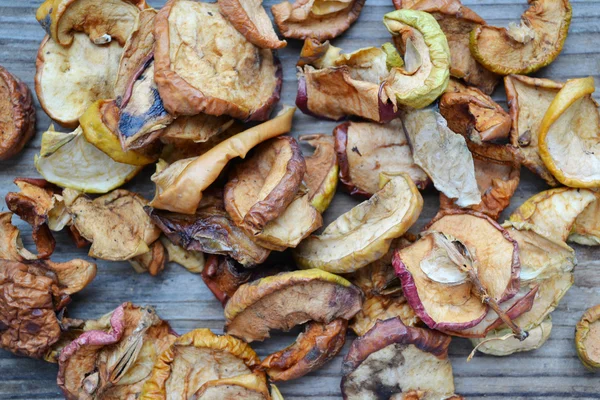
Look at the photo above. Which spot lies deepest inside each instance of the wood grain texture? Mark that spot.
(552, 372)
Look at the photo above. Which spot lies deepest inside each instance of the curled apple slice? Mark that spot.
(251, 20)
(507, 346)
(321, 170)
(365, 233)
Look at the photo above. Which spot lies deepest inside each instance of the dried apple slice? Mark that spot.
(380, 308)
(18, 121)
(194, 78)
(195, 358)
(528, 100)
(474, 114)
(65, 93)
(95, 172)
(114, 356)
(223, 276)
(248, 386)
(320, 19)
(261, 188)
(497, 172)
(179, 186)
(586, 230)
(153, 261)
(426, 72)
(115, 224)
(527, 47)
(457, 21)
(252, 21)
(568, 135)
(301, 296)
(366, 149)
(443, 155)
(365, 233)
(586, 338)
(210, 230)
(394, 360)
(113, 19)
(440, 292)
(201, 128)
(554, 212)
(191, 260)
(321, 170)
(314, 347)
(507, 346)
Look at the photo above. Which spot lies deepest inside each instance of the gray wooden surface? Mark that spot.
(180, 297)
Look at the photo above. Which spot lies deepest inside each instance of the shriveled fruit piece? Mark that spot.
(497, 172)
(224, 276)
(299, 296)
(443, 155)
(195, 358)
(193, 77)
(394, 360)
(314, 347)
(210, 230)
(426, 72)
(69, 79)
(528, 100)
(112, 19)
(251, 20)
(261, 188)
(248, 386)
(100, 128)
(113, 358)
(115, 223)
(540, 256)
(319, 19)
(191, 260)
(17, 126)
(379, 308)
(322, 168)
(442, 294)
(554, 212)
(586, 229)
(365, 149)
(537, 337)
(365, 233)
(587, 335)
(153, 261)
(179, 186)
(457, 21)
(524, 48)
(201, 128)
(474, 114)
(569, 134)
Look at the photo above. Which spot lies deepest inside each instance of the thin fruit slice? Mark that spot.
(300, 296)
(586, 338)
(586, 230)
(365, 233)
(248, 386)
(507, 346)
(251, 20)
(17, 126)
(322, 169)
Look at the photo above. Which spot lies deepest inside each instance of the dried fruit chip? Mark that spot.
(425, 74)
(114, 357)
(366, 149)
(319, 19)
(586, 338)
(365, 233)
(529, 99)
(179, 187)
(115, 223)
(201, 128)
(443, 155)
(210, 230)
(380, 308)
(251, 20)
(65, 93)
(569, 133)
(152, 261)
(112, 19)
(261, 188)
(586, 229)
(94, 171)
(317, 345)
(191, 260)
(457, 21)
(436, 287)
(17, 126)
(474, 114)
(321, 170)
(299, 296)
(527, 47)
(248, 386)
(497, 172)
(537, 337)
(224, 276)
(395, 360)
(196, 78)
(195, 358)
(554, 212)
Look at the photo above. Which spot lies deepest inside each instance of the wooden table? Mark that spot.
(182, 298)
